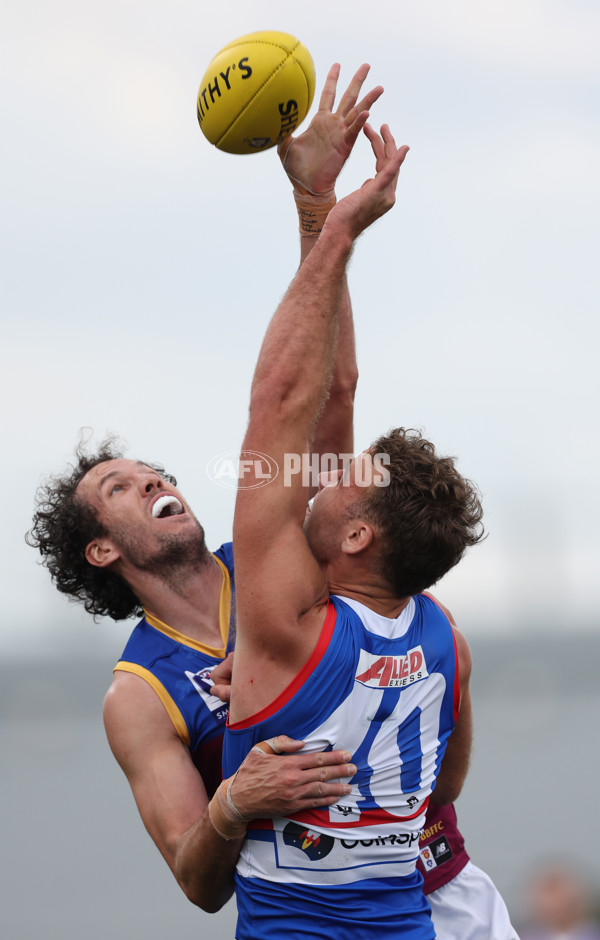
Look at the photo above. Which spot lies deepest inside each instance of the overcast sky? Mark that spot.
(141, 266)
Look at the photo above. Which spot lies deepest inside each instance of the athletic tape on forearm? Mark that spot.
(312, 212)
(224, 815)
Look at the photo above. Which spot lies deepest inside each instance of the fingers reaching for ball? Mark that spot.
(313, 160)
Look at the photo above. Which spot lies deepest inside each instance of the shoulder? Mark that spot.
(441, 606)
(134, 716)
(463, 651)
(225, 554)
(130, 696)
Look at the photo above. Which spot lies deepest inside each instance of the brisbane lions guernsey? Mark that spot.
(442, 848)
(387, 691)
(178, 669)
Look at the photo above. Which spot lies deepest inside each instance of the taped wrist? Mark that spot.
(313, 208)
(312, 212)
(224, 815)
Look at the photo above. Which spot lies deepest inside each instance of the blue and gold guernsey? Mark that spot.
(178, 669)
(387, 691)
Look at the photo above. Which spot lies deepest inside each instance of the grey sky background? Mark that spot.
(141, 267)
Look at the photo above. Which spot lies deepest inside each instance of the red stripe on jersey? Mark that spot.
(456, 698)
(299, 680)
(320, 817)
(369, 817)
(260, 824)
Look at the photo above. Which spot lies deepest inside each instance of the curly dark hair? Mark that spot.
(427, 516)
(63, 525)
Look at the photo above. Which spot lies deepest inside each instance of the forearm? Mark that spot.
(273, 780)
(295, 363)
(205, 864)
(334, 429)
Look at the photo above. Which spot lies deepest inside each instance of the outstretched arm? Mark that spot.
(281, 591)
(313, 162)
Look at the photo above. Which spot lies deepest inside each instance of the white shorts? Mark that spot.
(470, 908)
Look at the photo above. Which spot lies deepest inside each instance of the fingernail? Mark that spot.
(347, 788)
(346, 756)
(351, 769)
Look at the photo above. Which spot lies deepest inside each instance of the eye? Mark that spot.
(116, 488)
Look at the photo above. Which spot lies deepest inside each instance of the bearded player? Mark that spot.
(316, 158)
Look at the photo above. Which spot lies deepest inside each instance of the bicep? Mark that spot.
(277, 578)
(168, 789)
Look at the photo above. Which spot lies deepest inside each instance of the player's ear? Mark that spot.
(359, 536)
(101, 552)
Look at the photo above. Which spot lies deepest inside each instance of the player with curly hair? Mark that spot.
(117, 536)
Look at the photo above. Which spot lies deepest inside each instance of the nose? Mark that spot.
(151, 482)
(329, 478)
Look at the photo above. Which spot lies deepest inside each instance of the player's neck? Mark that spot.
(370, 590)
(190, 606)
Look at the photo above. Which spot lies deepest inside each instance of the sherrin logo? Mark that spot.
(391, 672)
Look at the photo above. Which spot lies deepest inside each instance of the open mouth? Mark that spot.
(166, 506)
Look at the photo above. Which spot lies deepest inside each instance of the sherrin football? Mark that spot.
(255, 92)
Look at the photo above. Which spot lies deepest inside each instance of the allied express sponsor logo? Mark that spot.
(391, 672)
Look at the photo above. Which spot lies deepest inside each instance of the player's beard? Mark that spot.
(172, 557)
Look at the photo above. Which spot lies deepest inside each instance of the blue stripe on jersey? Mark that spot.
(390, 909)
(409, 732)
(362, 778)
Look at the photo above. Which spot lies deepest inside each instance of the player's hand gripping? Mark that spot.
(314, 159)
(221, 677)
(277, 778)
(270, 785)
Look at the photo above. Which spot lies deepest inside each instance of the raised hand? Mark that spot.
(314, 159)
(376, 196)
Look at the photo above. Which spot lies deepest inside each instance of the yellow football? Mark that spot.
(255, 92)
